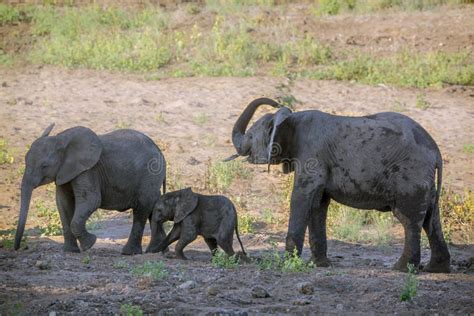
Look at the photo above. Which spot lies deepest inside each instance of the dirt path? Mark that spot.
(360, 280)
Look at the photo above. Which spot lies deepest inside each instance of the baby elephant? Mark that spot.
(213, 217)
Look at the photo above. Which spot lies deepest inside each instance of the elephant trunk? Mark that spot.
(26, 191)
(238, 132)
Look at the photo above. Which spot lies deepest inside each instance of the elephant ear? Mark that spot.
(81, 151)
(47, 130)
(274, 148)
(185, 204)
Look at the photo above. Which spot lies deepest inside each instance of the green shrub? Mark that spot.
(246, 223)
(288, 262)
(130, 310)
(6, 156)
(151, 269)
(220, 175)
(457, 215)
(7, 239)
(410, 286)
(9, 14)
(51, 225)
(222, 260)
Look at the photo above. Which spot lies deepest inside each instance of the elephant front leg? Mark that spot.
(134, 243)
(317, 231)
(78, 225)
(65, 204)
(301, 198)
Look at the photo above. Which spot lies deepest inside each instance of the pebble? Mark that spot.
(43, 265)
(340, 307)
(302, 301)
(52, 313)
(187, 285)
(305, 288)
(259, 292)
(212, 290)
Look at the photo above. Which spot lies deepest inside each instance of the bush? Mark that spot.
(222, 260)
(151, 269)
(457, 215)
(220, 175)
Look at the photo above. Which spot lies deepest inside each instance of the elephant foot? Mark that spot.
(291, 245)
(155, 249)
(181, 256)
(86, 242)
(402, 265)
(438, 267)
(71, 248)
(321, 262)
(130, 250)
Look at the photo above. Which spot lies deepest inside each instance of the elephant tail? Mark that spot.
(439, 181)
(164, 184)
(237, 234)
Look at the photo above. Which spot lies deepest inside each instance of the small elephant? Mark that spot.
(117, 171)
(213, 217)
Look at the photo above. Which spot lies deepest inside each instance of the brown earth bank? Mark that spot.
(172, 112)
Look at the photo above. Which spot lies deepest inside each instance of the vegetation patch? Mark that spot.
(7, 239)
(151, 269)
(288, 262)
(411, 284)
(246, 223)
(220, 175)
(142, 41)
(457, 215)
(130, 310)
(222, 260)
(6, 156)
(51, 221)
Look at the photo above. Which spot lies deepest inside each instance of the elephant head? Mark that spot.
(266, 140)
(58, 158)
(175, 206)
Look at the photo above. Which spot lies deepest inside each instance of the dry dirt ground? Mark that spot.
(191, 119)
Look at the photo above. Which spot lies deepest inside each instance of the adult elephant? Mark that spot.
(116, 171)
(385, 161)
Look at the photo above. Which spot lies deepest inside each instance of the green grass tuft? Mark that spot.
(222, 260)
(288, 263)
(6, 157)
(151, 269)
(411, 283)
(51, 225)
(220, 175)
(130, 310)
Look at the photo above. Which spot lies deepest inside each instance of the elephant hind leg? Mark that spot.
(440, 257)
(212, 244)
(134, 243)
(411, 249)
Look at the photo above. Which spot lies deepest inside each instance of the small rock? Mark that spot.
(4, 84)
(259, 292)
(52, 313)
(340, 307)
(43, 265)
(212, 290)
(302, 301)
(305, 288)
(187, 285)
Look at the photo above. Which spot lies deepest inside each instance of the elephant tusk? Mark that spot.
(231, 157)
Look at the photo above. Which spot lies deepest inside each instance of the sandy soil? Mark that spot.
(191, 120)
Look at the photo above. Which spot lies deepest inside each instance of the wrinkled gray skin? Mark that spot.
(213, 217)
(385, 161)
(116, 171)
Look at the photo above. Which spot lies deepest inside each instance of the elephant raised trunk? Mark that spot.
(238, 132)
(26, 191)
